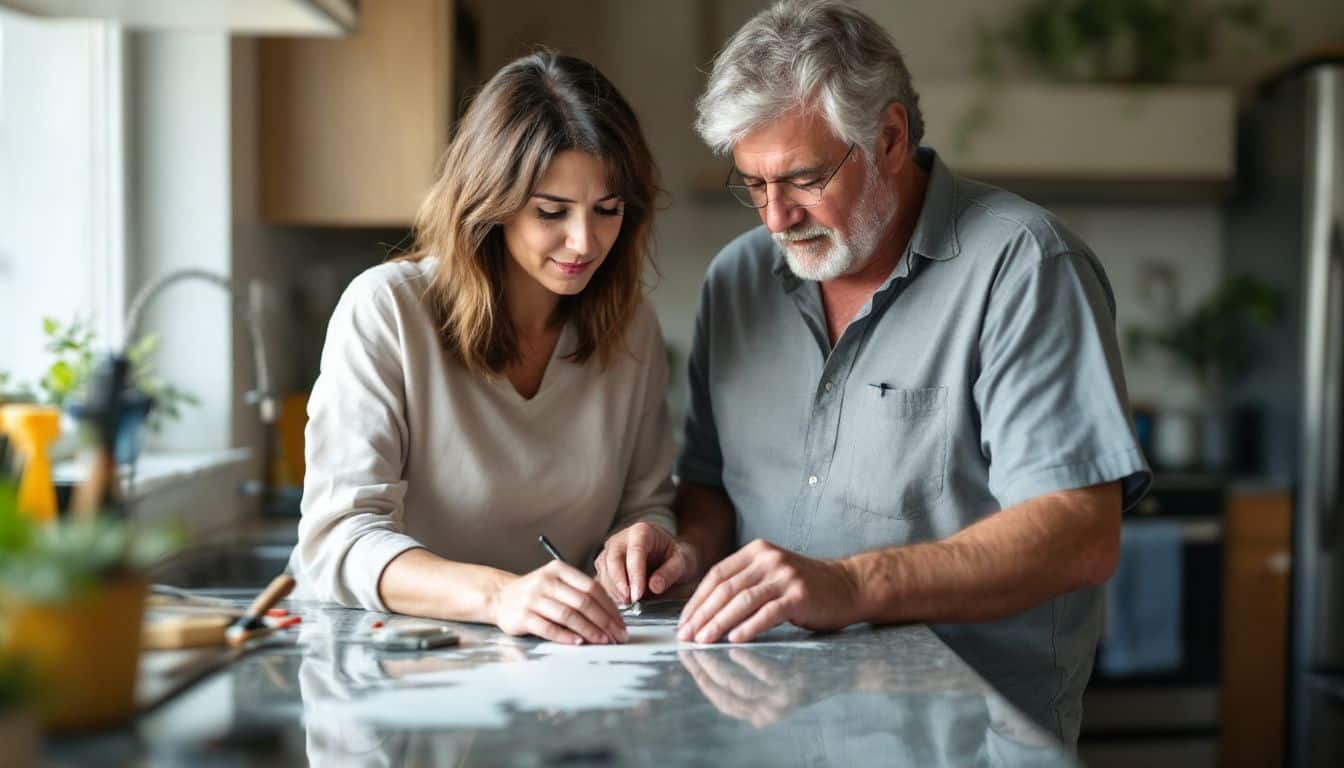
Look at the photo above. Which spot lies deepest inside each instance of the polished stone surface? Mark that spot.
(325, 695)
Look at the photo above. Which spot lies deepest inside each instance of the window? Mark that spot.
(62, 178)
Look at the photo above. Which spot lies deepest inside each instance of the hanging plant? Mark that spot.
(1128, 42)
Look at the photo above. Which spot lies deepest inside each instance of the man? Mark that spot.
(906, 391)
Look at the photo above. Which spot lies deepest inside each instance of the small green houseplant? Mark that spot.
(1211, 341)
(74, 348)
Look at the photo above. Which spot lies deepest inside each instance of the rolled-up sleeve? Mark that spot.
(1051, 390)
(353, 491)
(701, 460)
(647, 493)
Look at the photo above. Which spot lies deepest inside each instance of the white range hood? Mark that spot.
(242, 17)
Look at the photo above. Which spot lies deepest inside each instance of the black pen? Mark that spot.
(634, 609)
(550, 548)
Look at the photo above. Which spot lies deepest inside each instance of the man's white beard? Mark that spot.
(831, 255)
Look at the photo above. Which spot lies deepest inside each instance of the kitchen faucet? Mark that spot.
(260, 396)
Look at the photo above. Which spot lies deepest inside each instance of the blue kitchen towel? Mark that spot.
(1143, 602)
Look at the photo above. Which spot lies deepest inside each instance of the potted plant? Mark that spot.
(1124, 41)
(1117, 42)
(72, 596)
(1211, 342)
(154, 402)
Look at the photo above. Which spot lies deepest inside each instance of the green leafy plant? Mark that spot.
(68, 557)
(1124, 41)
(74, 348)
(1212, 339)
(1127, 42)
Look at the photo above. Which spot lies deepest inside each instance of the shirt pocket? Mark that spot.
(896, 450)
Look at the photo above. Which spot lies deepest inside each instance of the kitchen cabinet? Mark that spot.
(353, 129)
(1255, 628)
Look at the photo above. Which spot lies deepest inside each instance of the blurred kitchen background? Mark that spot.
(284, 145)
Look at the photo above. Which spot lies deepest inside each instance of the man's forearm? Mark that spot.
(1010, 561)
(705, 520)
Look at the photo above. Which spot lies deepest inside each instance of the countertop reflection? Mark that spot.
(326, 696)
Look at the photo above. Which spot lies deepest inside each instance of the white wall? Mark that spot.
(1134, 241)
(182, 217)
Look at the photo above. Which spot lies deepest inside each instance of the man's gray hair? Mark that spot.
(807, 54)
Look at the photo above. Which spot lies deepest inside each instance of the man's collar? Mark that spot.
(935, 235)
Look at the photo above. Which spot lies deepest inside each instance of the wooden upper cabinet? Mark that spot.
(352, 129)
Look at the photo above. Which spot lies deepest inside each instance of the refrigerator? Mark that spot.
(1285, 225)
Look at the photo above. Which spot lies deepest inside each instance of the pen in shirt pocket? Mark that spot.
(881, 388)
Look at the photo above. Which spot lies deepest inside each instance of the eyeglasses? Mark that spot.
(802, 193)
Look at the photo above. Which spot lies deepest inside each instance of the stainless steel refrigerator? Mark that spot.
(1286, 226)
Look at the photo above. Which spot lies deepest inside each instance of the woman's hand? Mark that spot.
(559, 603)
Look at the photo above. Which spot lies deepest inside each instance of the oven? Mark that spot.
(1169, 717)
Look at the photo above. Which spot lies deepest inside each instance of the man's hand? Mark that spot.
(622, 565)
(762, 585)
(747, 685)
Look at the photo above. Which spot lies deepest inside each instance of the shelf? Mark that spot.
(1104, 142)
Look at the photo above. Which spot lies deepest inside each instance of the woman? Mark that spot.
(504, 380)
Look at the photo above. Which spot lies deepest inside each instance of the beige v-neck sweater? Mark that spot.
(406, 448)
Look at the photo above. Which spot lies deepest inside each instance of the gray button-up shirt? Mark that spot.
(982, 373)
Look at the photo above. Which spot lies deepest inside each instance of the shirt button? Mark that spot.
(829, 386)
(812, 480)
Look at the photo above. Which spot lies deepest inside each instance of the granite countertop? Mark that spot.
(324, 695)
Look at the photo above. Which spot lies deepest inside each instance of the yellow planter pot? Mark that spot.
(84, 653)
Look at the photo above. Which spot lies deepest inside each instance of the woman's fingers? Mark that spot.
(580, 581)
(559, 596)
(591, 608)
(538, 625)
(570, 618)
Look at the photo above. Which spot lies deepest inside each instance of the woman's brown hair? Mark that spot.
(531, 110)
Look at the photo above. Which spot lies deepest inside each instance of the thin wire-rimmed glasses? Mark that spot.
(801, 192)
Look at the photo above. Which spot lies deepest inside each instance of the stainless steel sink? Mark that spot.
(242, 565)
